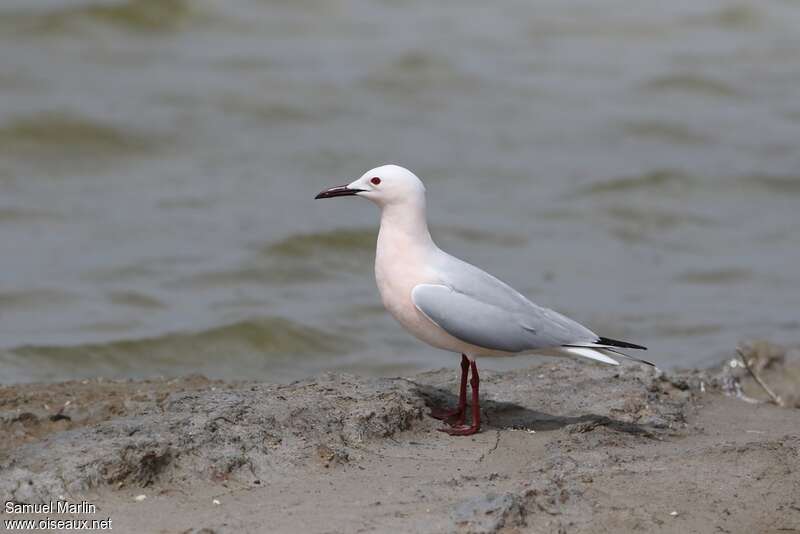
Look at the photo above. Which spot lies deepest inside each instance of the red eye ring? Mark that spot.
(375, 181)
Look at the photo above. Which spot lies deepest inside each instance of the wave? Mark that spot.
(142, 16)
(654, 180)
(340, 241)
(412, 73)
(34, 298)
(70, 134)
(298, 258)
(731, 17)
(239, 350)
(773, 183)
(690, 83)
(666, 180)
(19, 215)
(475, 235)
(716, 276)
(648, 217)
(671, 132)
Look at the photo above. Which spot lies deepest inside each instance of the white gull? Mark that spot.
(452, 305)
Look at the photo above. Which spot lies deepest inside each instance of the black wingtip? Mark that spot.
(651, 364)
(628, 356)
(617, 343)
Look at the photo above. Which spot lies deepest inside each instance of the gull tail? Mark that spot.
(605, 350)
(597, 354)
(626, 356)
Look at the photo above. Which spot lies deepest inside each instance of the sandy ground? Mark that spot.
(566, 447)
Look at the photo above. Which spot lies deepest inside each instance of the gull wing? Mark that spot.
(494, 326)
(475, 307)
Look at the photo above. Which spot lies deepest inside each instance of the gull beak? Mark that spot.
(338, 191)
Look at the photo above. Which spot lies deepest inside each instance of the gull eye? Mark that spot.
(375, 181)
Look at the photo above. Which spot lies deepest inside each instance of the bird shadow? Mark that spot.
(509, 415)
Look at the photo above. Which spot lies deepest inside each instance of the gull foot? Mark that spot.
(461, 430)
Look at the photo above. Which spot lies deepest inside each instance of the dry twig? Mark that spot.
(747, 365)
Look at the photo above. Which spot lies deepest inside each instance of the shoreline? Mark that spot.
(565, 447)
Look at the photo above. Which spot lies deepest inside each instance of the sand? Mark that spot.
(566, 447)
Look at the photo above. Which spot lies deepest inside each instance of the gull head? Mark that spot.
(385, 185)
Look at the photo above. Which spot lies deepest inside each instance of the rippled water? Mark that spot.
(638, 169)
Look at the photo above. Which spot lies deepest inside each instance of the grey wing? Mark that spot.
(552, 328)
(493, 326)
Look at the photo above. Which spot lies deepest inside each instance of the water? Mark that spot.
(637, 169)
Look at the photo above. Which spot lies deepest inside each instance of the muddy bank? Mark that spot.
(566, 447)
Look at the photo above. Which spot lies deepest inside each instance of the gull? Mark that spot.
(455, 306)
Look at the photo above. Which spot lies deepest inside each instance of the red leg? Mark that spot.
(461, 410)
(475, 427)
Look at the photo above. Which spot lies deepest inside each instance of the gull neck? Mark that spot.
(406, 221)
